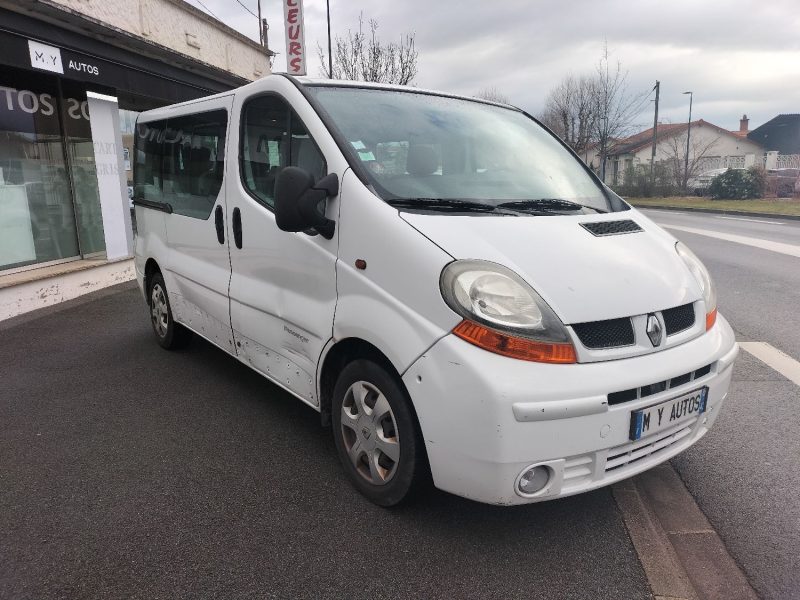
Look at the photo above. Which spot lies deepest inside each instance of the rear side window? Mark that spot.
(147, 170)
(272, 138)
(193, 162)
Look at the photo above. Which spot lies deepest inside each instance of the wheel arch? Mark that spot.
(339, 355)
(151, 267)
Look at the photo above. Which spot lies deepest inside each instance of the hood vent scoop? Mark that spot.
(603, 228)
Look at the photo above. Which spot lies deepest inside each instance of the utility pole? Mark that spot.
(688, 133)
(655, 137)
(260, 28)
(330, 56)
(265, 31)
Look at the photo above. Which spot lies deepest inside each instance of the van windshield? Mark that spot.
(438, 153)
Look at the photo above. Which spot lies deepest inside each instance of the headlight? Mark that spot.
(701, 274)
(503, 314)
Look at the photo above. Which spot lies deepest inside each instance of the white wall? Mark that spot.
(180, 27)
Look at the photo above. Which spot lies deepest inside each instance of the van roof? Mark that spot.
(317, 81)
(164, 112)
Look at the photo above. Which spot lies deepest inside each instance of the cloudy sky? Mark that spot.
(737, 56)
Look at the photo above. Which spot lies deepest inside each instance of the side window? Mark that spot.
(147, 161)
(193, 162)
(273, 137)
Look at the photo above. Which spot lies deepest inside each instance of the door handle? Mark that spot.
(219, 223)
(237, 227)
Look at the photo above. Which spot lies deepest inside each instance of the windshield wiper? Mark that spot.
(547, 204)
(450, 204)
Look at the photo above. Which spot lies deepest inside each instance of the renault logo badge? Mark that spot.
(653, 329)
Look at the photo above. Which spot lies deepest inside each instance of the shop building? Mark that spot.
(73, 76)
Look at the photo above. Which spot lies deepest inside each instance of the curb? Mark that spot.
(681, 554)
(33, 294)
(718, 211)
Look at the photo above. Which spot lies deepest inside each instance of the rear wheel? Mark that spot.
(170, 335)
(376, 434)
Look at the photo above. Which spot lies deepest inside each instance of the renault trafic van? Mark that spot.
(455, 292)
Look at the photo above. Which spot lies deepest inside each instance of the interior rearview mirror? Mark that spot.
(299, 201)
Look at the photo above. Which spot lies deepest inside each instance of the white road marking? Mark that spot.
(788, 249)
(753, 220)
(774, 358)
(663, 212)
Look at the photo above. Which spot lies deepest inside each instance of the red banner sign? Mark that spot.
(295, 37)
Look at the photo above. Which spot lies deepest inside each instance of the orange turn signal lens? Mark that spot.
(711, 318)
(514, 347)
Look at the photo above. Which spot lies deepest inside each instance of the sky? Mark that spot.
(736, 56)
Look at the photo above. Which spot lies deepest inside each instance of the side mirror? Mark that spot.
(298, 199)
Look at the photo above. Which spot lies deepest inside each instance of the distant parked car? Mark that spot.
(699, 185)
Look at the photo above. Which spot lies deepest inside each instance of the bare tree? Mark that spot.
(594, 109)
(616, 108)
(699, 150)
(361, 56)
(570, 111)
(492, 94)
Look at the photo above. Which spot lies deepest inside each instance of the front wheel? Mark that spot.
(376, 434)
(170, 335)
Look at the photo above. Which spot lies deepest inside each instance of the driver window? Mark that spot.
(273, 137)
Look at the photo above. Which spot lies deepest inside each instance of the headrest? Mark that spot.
(422, 160)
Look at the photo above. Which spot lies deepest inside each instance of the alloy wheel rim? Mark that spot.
(159, 313)
(369, 432)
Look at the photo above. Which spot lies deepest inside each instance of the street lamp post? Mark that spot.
(688, 133)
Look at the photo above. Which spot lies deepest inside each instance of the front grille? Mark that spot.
(601, 228)
(633, 452)
(678, 319)
(655, 388)
(611, 333)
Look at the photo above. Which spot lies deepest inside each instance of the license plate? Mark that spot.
(663, 415)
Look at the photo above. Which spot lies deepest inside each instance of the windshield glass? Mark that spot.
(424, 148)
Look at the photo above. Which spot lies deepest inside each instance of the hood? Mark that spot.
(583, 277)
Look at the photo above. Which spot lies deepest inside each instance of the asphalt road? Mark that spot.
(130, 471)
(745, 474)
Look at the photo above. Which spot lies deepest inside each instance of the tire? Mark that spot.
(170, 335)
(376, 434)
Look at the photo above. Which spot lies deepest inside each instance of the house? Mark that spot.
(780, 134)
(710, 146)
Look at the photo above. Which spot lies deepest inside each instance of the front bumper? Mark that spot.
(485, 418)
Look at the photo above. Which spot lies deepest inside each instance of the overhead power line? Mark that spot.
(247, 9)
(208, 10)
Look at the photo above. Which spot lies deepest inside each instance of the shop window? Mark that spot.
(37, 215)
(273, 137)
(193, 163)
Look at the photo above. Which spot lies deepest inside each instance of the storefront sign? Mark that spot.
(295, 37)
(45, 57)
(82, 67)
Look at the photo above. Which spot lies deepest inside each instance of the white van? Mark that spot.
(440, 277)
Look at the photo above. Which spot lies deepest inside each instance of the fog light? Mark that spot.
(533, 480)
